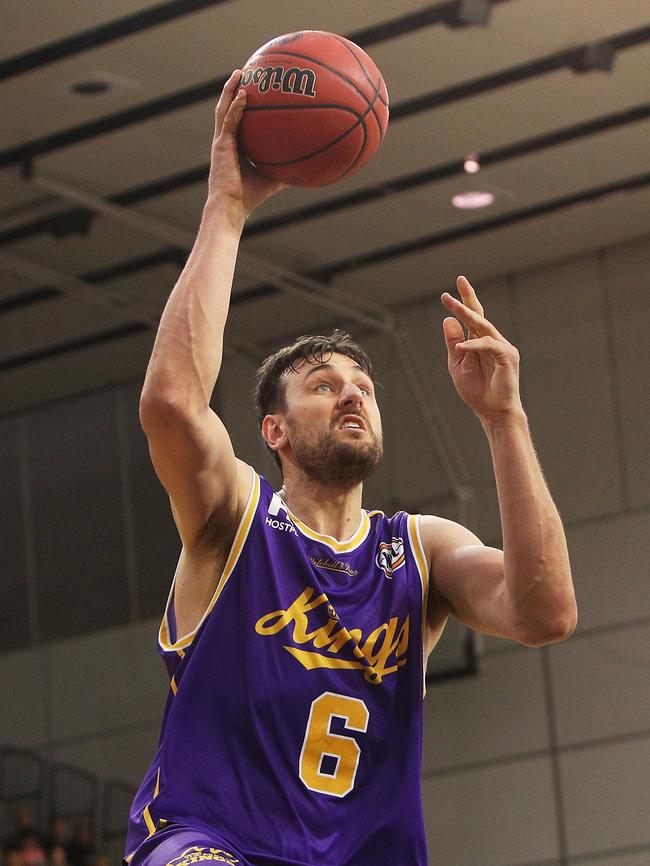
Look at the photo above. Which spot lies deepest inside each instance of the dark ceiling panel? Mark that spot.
(571, 58)
(105, 33)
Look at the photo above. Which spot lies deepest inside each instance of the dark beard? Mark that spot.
(338, 464)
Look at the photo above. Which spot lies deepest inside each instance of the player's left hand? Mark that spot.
(484, 366)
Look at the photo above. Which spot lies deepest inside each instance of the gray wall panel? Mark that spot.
(157, 543)
(77, 508)
(14, 601)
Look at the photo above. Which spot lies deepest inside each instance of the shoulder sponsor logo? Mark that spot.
(276, 510)
(390, 556)
(282, 525)
(333, 646)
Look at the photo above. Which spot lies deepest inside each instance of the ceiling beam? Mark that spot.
(568, 58)
(139, 22)
(68, 46)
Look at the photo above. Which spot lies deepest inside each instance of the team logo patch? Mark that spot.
(391, 556)
(197, 854)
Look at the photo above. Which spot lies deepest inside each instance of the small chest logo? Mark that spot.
(391, 556)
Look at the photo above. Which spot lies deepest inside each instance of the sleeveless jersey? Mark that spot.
(293, 725)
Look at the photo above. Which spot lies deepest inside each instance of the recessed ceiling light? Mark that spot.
(472, 200)
(471, 164)
(90, 87)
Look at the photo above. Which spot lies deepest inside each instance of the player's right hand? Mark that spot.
(231, 174)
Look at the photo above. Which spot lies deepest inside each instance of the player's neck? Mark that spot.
(326, 510)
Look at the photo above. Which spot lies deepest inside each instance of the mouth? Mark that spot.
(352, 422)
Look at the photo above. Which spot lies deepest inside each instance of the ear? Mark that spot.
(273, 432)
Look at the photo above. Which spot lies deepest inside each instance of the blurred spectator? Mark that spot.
(58, 856)
(33, 852)
(80, 848)
(24, 828)
(14, 858)
(59, 834)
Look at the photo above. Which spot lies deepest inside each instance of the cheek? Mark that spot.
(304, 424)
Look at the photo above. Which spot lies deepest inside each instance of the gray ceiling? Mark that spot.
(564, 150)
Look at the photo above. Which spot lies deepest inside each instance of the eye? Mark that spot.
(366, 390)
(323, 386)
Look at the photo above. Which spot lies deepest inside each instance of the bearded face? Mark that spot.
(338, 457)
(329, 428)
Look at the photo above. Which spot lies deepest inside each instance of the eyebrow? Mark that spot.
(325, 366)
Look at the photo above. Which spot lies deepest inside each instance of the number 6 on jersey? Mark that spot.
(319, 741)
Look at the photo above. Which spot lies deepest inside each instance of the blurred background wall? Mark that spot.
(545, 752)
(541, 758)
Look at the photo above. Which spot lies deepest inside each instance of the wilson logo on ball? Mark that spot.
(292, 80)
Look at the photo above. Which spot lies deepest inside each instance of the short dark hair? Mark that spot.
(269, 393)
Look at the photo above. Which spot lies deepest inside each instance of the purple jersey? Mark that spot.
(293, 726)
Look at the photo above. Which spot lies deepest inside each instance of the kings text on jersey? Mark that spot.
(382, 652)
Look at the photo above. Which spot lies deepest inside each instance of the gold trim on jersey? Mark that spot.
(146, 814)
(235, 551)
(334, 544)
(415, 540)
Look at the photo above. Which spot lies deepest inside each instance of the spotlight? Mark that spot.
(90, 87)
(598, 57)
(470, 12)
(472, 200)
(472, 164)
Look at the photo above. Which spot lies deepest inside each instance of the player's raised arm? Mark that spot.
(525, 592)
(189, 445)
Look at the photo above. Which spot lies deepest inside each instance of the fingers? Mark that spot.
(468, 295)
(234, 113)
(469, 310)
(453, 332)
(497, 349)
(225, 100)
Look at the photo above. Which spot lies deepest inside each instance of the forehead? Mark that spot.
(334, 363)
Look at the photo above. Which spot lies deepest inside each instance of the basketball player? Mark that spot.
(298, 624)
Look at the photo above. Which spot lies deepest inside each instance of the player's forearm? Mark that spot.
(536, 560)
(187, 353)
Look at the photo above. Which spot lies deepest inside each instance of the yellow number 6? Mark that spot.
(319, 741)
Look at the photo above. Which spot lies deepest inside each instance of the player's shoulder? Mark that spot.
(433, 527)
(440, 535)
(402, 521)
(397, 530)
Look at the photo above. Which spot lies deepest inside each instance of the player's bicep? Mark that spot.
(468, 578)
(195, 461)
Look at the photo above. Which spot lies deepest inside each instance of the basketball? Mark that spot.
(316, 110)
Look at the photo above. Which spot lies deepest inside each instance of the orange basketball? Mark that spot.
(316, 111)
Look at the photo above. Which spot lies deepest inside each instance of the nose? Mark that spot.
(351, 395)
